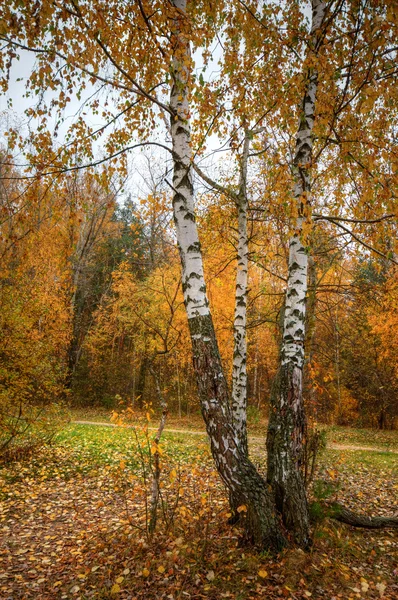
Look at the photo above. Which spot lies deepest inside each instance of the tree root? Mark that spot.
(344, 515)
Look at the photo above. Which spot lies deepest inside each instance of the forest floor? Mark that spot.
(74, 523)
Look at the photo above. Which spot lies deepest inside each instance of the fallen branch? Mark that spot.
(344, 515)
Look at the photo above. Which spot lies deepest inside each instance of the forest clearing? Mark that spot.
(198, 299)
(73, 525)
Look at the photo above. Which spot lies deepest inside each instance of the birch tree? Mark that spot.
(245, 485)
(239, 369)
(287, 425)
(239, 366)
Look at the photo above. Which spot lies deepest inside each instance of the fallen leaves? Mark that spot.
(72, 525)
(263, 574)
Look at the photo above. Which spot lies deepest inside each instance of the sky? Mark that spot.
(14, 103)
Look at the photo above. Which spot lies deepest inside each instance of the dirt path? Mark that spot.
(252, 438)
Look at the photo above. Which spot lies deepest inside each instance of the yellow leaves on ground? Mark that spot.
(262, 573)
(90, 516)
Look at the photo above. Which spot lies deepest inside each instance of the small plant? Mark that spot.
(253, 414)
(26, 427)
(150, 454)
(315, 445)
(322, 491)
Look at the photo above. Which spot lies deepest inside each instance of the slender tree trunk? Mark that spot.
(239, 369)
(245, 485)
(178, 388)
(287, 425)
(141, 382)
(310, 391)
(154, 501)
(337, 368)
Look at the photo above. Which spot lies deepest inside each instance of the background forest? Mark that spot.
(91, 296)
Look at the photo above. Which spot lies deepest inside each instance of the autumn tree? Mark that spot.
(35, 317)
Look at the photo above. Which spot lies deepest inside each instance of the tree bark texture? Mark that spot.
(246, 487)
(287, 425)
(239, 369)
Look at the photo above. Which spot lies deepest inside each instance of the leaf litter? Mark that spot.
(73, 524)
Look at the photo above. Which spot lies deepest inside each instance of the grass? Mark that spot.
(73, 523)
(363, 437)
(257, 426)
(99, 445)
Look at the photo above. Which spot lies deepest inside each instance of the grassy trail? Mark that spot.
(252, 438)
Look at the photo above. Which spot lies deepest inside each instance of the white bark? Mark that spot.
(193, 283)
(239, 369)
(287, 425)
(292, 350)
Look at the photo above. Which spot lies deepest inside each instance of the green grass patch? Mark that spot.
(362, 437)
(96, 445)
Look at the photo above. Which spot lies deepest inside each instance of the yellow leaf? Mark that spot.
(161, 569)
(145, 572)
(364, 585)
(115, 589)
(119, 579)
(242, 508)
(263, 574)
(381, 587)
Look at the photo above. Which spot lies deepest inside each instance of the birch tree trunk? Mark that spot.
(309, 389)
(239, 368)
(287, 425)
(245, 485)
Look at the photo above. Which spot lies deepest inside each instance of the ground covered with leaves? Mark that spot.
(74, 524)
